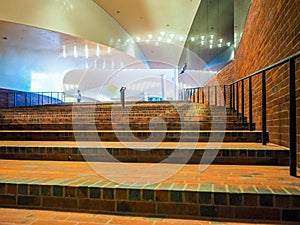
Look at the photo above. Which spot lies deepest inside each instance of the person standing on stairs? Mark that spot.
(78, 96)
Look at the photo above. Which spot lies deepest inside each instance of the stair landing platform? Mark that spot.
(234, 192)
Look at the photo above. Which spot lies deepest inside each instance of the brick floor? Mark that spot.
(34, 217)
(172, 184)
(252, 179)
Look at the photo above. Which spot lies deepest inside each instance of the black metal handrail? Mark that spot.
(14, 98)
(292, 111)
(234, 95)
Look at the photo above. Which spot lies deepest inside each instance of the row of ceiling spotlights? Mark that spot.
(172, 38)
(86, 51)
(203, 40)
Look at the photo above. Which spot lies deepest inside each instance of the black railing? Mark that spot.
(211, 95)
(12, 98)
(236, 93)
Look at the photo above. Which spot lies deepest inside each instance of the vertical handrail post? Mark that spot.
(243, 101)
(186, 94)
(224, 95)
(250, 105)
(293, 120)
(230, 97)
(122, 93)
(264, 108)
(216, 96)
(237, 98)
(208, 94)
(233, 97)
(194, 94)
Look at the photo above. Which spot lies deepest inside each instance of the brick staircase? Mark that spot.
(177, 136)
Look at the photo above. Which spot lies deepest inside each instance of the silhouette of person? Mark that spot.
(78, 96)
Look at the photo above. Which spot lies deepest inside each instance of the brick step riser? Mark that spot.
(133, 126)
(27, 115)
(47, 120)
(195, 204)
(116, 112)
(128, 106)
(133, 136)
(154, 109)
(224, 156)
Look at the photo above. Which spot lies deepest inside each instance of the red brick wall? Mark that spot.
(272, 32)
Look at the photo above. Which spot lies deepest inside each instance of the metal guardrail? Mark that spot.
(235, 94)
(11, 98)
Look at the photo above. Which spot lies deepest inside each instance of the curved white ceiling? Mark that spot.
(37, 36)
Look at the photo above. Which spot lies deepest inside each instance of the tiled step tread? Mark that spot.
(187, 193)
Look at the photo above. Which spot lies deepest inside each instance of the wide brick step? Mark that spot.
(129, 136)
(183, 153)
(186, 193)
(103, 109)
(68, 107)
(136, 112)
(124, 126)
(92, 119)
(140, 113)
